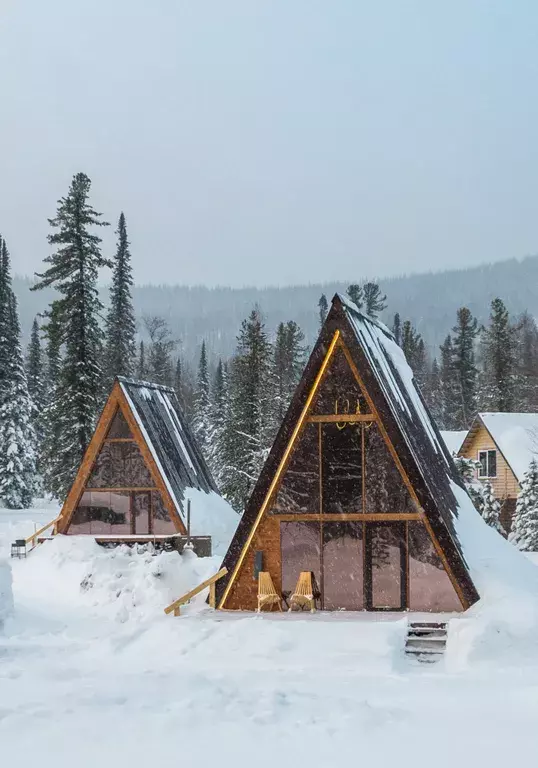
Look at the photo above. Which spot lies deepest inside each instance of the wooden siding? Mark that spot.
(244, 595)
(505, 485)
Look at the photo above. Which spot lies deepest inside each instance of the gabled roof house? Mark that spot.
(504, 444)
(140, 469)
(359, 487)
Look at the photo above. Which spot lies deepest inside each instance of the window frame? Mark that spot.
(487, 475)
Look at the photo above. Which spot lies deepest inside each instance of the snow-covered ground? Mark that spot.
(92, 673)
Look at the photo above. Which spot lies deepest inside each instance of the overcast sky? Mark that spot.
(275, 141)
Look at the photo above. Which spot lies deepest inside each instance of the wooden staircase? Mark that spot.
(426, 640)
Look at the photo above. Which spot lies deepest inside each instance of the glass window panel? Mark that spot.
(386, 556)
(120, 465)
(140, 509)
(483, 460)
(343, 566)
(100, 513)
(119, 427)
(162, 523)
(430, 588)
(385, 489)
(299, 489)
(118, 475)
(80, 522)
(120, 512)
(300, 551)
(100, 475)
(136, 472)
(339, 391)
(341, 448)
(492, 463)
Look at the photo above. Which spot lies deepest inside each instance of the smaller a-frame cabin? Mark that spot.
(359, 488)
(140, 467)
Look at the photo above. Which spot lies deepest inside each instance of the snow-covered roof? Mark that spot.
(496, 568)
(168, 437)
(453, 439)
(401, 396)
(516, 436)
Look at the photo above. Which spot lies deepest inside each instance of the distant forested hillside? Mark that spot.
(429, 300)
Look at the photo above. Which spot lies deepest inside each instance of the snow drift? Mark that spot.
(122, 583)
(212, 516)
(504, 622)
(6, 594)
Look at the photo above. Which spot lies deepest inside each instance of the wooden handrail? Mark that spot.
(34, 536)
(174, 607)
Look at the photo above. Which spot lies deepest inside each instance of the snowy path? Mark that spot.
(198, 690)
(80, 687)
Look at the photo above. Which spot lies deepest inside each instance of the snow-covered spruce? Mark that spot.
(17, 434)
(247, 432)
(524, 533)
(491, 508)
(482, 494)
(201, 421)
(120, 348)
(6, 593)
(78, 389)
(219, 411)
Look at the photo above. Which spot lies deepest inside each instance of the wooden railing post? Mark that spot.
(33, 539)
(175, 606)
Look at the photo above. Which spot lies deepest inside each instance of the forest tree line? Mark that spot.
(51, 396)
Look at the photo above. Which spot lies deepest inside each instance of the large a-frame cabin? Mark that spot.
(359, 488)
(138, 470)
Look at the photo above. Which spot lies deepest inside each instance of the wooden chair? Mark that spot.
(267, 594)
(304, 595)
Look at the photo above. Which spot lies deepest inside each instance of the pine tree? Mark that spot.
(414, 350)
(141, 368)
(178, 383)
(356, 294)
(248, 423)
(201, 422)
(374, 301)
(433, 393)
(449, 385)
(323, 308)
(73, 271)
(288, 364)
(397, 329)
(527, 363)
(524, 533)
(51, 419)
(160, 367)
(467, 469)
(34, 365)
(5, 319)
(17, 435)
(499, 344)
(491, 509)
(120, 322)
(464, 368)
(37, 389)
(219, 406)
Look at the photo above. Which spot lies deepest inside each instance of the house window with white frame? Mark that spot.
(487, 463)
